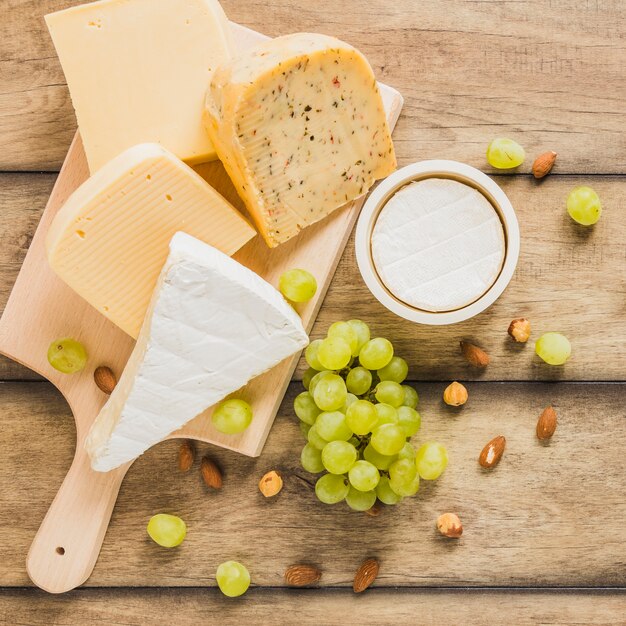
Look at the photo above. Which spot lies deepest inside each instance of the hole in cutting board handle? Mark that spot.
(60, 550)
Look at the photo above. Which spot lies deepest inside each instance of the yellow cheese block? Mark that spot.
(138, 70)
(300, 126)
(110, 239)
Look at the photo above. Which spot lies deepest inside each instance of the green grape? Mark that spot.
(430, 460)
(553, 348)
(330, 393)
(331, 488)
(360, 500)
(359, 380)
(361, 417)
(389, 392)
(334, 353)
(344, 331)
(67, 355)
(376, 353)
(232, 416)
(402, 471)
(409, 419)
(362, 331)
(307, 377)
(331, 425)
(396, 370)
(388, 439)
(386, 414)
(583, 205)
(385, 493)
(410, 396)
(350, 400)
(304, 429)
(338, 456)
(167, 530)
(233, 579)
(364, 476)
(315, 439)
(297, 285)
(381, 461)
(310, 355)
(505, 154)
(405, 488)
(305, 407)
(407, 452)
(316, 379)
(311, 459)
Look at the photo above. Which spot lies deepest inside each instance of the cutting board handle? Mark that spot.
(66, 546)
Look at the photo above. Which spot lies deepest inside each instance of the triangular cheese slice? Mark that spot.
(212, 325)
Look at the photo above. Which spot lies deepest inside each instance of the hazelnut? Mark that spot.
(519, 330)
(271, 484)
(455, 394)
(449, 525)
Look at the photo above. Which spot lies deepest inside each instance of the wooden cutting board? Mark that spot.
(41, 308)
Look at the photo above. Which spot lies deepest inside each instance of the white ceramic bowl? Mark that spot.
(436, 169)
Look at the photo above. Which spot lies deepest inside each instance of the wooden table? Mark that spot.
(544, 538)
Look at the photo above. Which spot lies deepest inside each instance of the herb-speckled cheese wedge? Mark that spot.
(300, 126)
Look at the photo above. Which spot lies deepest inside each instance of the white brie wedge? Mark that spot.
(212, 325)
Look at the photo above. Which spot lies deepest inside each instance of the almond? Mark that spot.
(492, 452)
(375, 510)
(105, 379)
(455, 394)
(475, 356)
(546, 424)
(365, 575)
(211, 473)
(271, 484)
(186, 455)
(519, 330)
(449, 525)
(543, 164)
(302, 575)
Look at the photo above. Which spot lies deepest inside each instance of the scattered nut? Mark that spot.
(543, 164)
(365, 575)
(271, 484)
(211, 473)
(455, 394)
(546, 424)
(186, 455)
(492, 452)
(375, 510)
(302, 575)
(105, 379)
(449, 525)
(475, 356)
(519, 330)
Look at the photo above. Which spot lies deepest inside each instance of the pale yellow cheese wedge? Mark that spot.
(110, 239)
(137, 71)
(300, 126)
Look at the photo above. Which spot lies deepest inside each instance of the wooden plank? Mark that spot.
(469, 71)
(140, 607)
(569, 278)
(544, 511)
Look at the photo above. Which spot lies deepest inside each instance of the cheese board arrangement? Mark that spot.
(106, 237)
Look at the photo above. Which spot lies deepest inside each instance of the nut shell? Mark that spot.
(365, 575)
(302, 575)
(492, 452)
(449, 525)
(455, 394)
(519, 330)
(271, 484)
(546, 424)
(211, 473)
(474, 355)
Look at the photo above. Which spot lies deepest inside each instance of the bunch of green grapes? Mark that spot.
(358, 419)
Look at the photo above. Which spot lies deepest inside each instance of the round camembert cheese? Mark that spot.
(438, 244)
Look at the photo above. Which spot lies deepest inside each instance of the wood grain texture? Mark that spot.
(142, 607)
(549, 73)
(547, 515)
(569, 278)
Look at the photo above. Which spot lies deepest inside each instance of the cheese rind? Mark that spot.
(300, 126)
(110, 239)
(137, 72)
(438, 244)
(212, 326)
